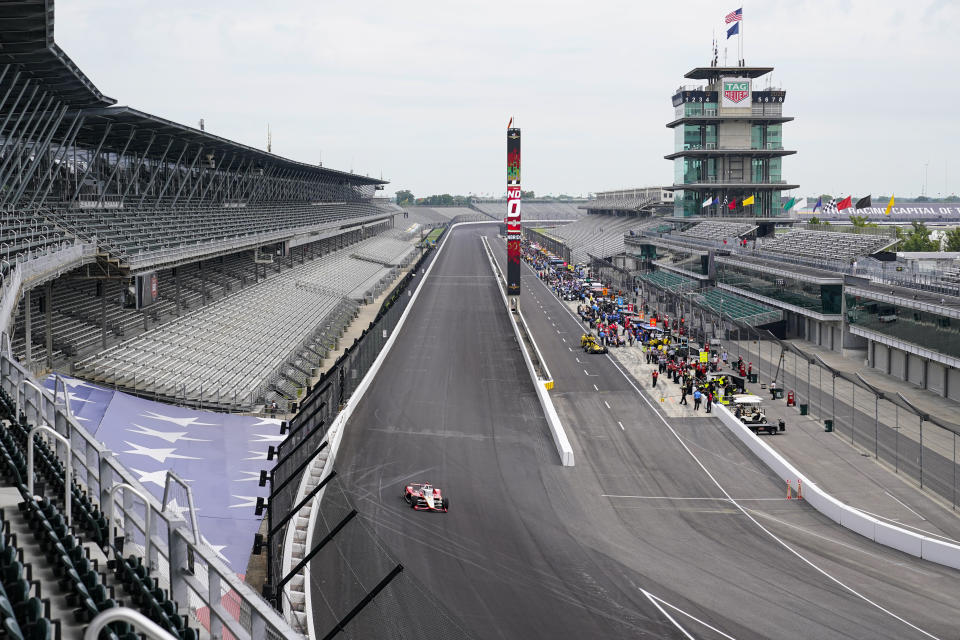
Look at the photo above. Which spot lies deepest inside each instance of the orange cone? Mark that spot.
(799, 489)
(789, 497)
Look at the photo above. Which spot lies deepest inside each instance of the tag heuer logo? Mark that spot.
(736, 91)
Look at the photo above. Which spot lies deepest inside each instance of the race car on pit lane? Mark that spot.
(590, 345)
(425, 497)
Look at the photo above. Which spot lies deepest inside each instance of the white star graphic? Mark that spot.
(183, 422)
(158, 478)
(251, 501)
(254, 475)
(160, 455)
(217, 548)
(169, 436)
(265, 421)
(177, 510)
(257, 455)
(266, 437)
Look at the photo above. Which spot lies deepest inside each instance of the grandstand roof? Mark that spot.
(27, 40)
(124, 119)
(706, 73)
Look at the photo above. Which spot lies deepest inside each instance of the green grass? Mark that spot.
(435, 235)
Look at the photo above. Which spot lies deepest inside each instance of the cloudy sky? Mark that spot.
(421, 92)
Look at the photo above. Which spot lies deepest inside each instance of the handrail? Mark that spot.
(142, 623)
(67, 486)
(148, 519)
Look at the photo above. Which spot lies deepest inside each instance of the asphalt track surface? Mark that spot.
(663, 529)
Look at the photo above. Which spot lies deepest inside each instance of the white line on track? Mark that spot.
(904, 505)
(564, 339)
(743, 510)
(569, 349)
(606, 403)
(658, 601)
(621, 425)
(577, 359)
(613, 495)
(595, 388)
(584, 371)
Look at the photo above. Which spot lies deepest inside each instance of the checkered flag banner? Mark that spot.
(831, 208)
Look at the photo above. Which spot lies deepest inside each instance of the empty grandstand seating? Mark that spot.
(670, 281)
(152, 234)
(533, 210)
(738, 308)
(428, 216)
(598, 235)
(716, 230)
(826, 244)
(223, 353)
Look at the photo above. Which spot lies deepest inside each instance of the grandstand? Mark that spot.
(670, 281)
(739, 308)
(532, 209)
(208, 356)
(428, 216)
(599, 235)
(826, 244)
(716, 230)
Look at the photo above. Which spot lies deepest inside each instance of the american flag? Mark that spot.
(734, 16)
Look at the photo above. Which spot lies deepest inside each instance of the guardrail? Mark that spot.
(195, 577)
(890, 535)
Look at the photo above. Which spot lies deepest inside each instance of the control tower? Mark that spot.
(728, 135)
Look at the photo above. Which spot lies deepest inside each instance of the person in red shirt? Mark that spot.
(655, 376)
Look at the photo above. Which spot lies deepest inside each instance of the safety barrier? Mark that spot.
(549, 410)
(932, 549)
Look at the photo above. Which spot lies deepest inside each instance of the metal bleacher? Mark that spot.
(714, 230)
(829, 245)
(600, 236)
(234, 352)
(670, 281)
(738, 308)
(533, 210)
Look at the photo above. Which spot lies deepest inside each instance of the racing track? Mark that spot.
(531, 549)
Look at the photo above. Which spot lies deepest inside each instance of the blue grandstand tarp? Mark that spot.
(219, 455)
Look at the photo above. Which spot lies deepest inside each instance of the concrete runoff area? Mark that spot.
(665, 528)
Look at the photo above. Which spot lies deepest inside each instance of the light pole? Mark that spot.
(923, 417)
(877, 397)
(833, 374)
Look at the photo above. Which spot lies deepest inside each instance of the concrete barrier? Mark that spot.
(560, 439)
(885, 533)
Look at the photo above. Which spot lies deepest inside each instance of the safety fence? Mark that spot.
(320, 407)
(883, 423)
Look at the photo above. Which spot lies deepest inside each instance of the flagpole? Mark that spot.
(741, 36)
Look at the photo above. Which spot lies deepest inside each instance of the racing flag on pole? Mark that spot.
(889, 207)
(747, 201)
(863, 203)
(707, 203)
(732, 205)
(789, 204)
(846, 203)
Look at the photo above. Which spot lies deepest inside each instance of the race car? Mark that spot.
(590, 344)
(425, 497)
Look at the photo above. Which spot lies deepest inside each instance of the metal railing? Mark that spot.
(203, 583)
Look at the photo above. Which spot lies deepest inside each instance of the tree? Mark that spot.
(527, 195)
(916, 238)
(816, 220)
(861, 221)
(952, 240)
(405, 197)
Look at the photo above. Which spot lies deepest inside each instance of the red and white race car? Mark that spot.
(425, 497)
